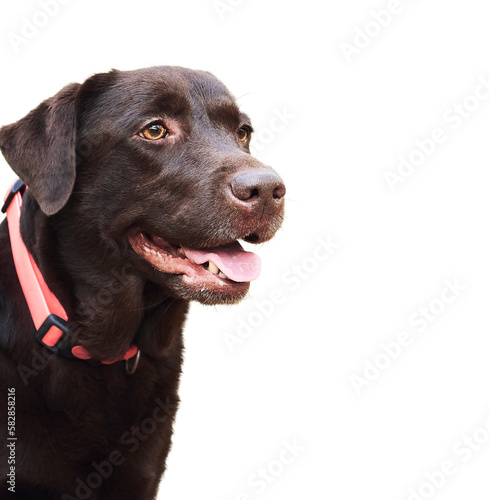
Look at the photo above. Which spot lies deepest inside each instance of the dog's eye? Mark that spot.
(243, 134)
(154, 131)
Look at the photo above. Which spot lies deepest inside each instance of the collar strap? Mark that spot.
(48, 315)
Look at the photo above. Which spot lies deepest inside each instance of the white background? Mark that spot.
(291, 379)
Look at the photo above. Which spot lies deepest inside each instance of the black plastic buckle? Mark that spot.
(63, 346)
(18, 186)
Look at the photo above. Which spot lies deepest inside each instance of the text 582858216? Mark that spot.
(11, 439)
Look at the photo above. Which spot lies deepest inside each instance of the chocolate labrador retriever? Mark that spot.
(138, 186)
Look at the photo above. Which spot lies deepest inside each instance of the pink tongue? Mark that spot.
(232, 260)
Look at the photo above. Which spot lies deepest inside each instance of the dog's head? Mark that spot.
(155, 165)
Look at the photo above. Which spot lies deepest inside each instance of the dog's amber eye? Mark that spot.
(243, 134)
(154, 132)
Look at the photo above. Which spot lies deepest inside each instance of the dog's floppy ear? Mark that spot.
(40, 148)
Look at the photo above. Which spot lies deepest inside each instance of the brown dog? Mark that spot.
(139, 184)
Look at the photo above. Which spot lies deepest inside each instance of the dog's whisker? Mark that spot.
(243, 95)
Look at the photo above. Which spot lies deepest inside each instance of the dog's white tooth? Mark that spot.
(222, 275)
(213, 268)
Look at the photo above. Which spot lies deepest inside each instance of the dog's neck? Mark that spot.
(109, 306)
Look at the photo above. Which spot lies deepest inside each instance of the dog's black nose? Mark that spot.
(258, 186)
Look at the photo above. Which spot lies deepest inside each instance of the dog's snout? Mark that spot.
(258, 186)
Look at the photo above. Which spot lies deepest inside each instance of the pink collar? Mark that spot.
(48, 315)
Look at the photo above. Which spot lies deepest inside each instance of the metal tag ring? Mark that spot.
(130, 370)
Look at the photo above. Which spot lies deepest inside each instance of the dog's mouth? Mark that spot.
(207, 269)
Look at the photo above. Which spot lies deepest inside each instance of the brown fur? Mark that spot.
(91, 179)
